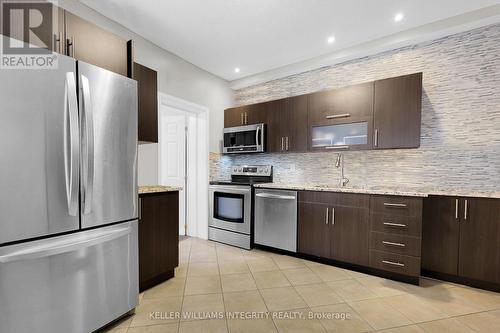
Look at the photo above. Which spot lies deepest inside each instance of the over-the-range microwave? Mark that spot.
(244, 139)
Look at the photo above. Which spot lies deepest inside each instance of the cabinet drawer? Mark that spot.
(396, 263)
(328, 198)
(396, 224)
(401, 244)
(394, 205)
(336, 198)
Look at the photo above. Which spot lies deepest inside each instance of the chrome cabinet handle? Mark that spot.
(282, 143)
(87, 129)
(241, 118)
(71, 144)
(57, 42)
(456, 209)
(393, 263)
(71, 42)
(387, 204)
(376, 138)
(336, 147)
(336, 116)
(396, 225)
(465, 210)
(326, 219)
(246, 118)
(393, 244)
(333, 216)
(286, 143)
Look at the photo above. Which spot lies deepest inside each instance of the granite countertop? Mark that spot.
(399, 191)
(158, 189)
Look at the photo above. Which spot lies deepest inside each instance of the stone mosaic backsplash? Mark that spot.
(460, 140)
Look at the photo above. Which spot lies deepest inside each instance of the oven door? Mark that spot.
(230, 207)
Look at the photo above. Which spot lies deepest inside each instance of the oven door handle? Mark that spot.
(232, 189)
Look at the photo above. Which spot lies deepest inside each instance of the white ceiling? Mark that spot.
(262, 35)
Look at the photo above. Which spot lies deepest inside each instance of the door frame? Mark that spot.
(197, 164)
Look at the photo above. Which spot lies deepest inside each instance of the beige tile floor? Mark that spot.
(214, 277)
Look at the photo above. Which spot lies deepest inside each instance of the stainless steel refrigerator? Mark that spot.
(68, 198)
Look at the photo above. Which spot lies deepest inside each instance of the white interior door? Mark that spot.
(173, 155)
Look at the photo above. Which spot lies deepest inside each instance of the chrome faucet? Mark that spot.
(339, 163)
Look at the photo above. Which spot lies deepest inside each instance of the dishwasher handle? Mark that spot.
(275, 196)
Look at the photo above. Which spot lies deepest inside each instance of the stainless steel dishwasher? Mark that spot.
(276, 219)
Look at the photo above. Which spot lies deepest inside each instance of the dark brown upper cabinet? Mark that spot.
(287, 125)
(461, 236)
(245, 115)
(397, 112)
(44, 35)
(87, 42)
(382, 114)
(82, 40)
(147, 89)
(341, 119)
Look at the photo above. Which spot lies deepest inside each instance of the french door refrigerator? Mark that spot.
(68, 198)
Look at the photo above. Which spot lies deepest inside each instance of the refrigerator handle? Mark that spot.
(71, 143)
(70, 244)
(87, 146)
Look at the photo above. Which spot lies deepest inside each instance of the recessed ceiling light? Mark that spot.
(398, 17)
(331, 39)
(237, 70)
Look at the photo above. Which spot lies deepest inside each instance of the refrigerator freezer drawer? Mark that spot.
(75, 283)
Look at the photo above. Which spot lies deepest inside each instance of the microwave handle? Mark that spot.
(257, 136)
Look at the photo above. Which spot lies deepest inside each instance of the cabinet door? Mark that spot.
(147, 240)
(349, 234)
(87, 42)
(234, 117)
(440, 234)
(341, 119)
(255, 114)
(294, 124)
(44, 36)
(147, 90)
(276, 111)
(480, 239)
(158, 238)
(313, 229)
(397, 112)
(347, 103)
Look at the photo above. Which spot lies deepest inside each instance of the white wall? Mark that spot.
(176, 77)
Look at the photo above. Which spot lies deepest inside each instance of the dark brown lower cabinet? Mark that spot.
(158, 237)
(479, 252)
(378, 234)
(350, 227)
(461, 240)
(330, 228)
(440, 234)
(313, 229)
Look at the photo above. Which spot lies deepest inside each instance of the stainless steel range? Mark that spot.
(231, 205)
